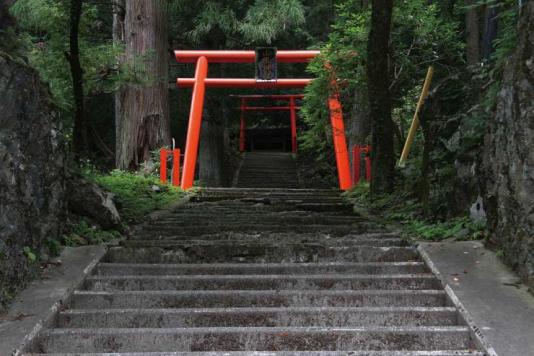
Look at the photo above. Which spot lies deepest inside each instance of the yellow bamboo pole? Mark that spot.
(415, 120)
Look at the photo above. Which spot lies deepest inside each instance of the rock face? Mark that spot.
(32, 171)
(509, 156)
(88, 199)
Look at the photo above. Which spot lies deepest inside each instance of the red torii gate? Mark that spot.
(292, 108)
(200, 82)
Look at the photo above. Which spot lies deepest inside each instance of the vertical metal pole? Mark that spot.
(292, 110)
(242, 129)
(356, 154)
(195, 122)
(175, 167)
(340, 142)
(163, 165)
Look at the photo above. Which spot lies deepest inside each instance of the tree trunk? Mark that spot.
(490, 31)
(360, 126)
(472, 33)
(80, 142)
(378, 83)
(145, 123)
(119, 14)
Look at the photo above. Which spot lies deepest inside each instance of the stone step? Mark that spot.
(469, 352)
(290, 237)
(256, 317)
(260, 268)
(261, 253)
(251, 211)
(249, 219)
(355, 228)
(269, 199)
(265, 298)
(263, 282)
(339, 241)
(255, 338)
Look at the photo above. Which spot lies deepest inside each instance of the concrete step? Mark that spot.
(249, 219)
(265, 298)
(469, 352)
(261, 253)
(257, 339)
(107, 269)
(263, 282)
(290, 237)
(356, 228)
(256, 317)
(340, 241)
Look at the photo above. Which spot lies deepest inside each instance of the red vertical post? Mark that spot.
(368, 164)
(293, 113)
(242, 127)
(340, 142)
(175, 167)
(195, 122)
(356, 164)
(338, 133)
(163, 165)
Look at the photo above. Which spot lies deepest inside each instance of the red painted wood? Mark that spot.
(195, 121)
(175, 167)
(241, 83)
(243, 56)
(163, 153)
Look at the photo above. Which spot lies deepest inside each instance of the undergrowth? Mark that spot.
(135, 196)
(405, 212)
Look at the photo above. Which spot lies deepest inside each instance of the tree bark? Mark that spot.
(472, 33)
(378, 83)
(80, 142)
(119, 17)
(145, 123)
(490, 31)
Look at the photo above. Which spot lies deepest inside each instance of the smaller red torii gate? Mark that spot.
(292, 108)
(200, 82)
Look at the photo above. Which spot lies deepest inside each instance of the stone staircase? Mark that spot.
(278, 272)
(264, 169)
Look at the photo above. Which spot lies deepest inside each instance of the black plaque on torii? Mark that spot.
(266, 65)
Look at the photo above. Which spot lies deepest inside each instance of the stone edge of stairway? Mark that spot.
(79, 263)
(478, 336)
(36, 307)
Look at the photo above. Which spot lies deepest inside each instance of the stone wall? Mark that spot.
(509, 157)
(32, 173)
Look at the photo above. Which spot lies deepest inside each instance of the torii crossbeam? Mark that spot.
(200, 82)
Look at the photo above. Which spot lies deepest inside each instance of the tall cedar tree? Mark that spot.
(144, 122)
(378, 84)
(80, 142)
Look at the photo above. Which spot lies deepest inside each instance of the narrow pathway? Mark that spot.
(293, 272)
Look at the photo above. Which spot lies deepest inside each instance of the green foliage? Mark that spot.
(30, 255)
(46, 27)
(461, 228)
(421, 36)
(259, 23)
(404, 211)
(54, 246)
(135, 194)
(82, 233)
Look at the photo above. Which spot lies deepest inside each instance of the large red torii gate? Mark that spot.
(200, 82)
